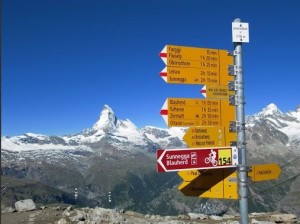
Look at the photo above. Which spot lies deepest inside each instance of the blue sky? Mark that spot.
(63, 60)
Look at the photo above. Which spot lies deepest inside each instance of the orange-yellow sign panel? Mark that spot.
(265, 172)
(197, 112)
(205, 136)
(209, 136)
(214, 183)
(209, 184)
(181, 56)
(200, 76)
(204, 191)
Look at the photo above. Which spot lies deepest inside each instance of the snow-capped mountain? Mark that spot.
(286, 123)
(121, 134)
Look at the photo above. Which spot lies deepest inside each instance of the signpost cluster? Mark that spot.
(214, 165)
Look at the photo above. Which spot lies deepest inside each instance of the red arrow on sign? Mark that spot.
(203, 158)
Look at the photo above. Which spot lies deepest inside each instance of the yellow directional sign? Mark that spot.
(181, 56)
(214, 183)
(209, 184)
(265, 172)
(200, 76)
(184, 112)
(190, 65)
(205, 136)
(203, 190)
(216, 92)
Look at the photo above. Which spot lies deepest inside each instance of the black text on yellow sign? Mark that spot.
(185, 112)
(209, 136)
(190, 65)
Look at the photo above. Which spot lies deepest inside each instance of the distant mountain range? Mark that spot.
(110, 129)
(115, 156)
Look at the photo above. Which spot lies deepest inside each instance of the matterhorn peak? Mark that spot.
(107, 120)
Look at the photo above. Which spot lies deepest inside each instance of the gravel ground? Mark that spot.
(33, 217)
(53, 215)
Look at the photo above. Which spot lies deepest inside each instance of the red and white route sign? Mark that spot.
(202, 158)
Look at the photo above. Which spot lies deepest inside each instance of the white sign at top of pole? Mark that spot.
(240, 32)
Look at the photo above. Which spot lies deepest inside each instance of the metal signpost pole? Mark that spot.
(241, 136)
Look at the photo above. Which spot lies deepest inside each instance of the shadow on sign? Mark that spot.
(210, 184)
